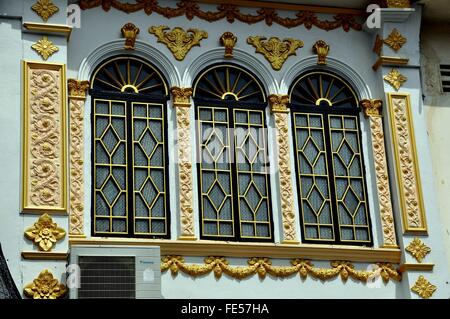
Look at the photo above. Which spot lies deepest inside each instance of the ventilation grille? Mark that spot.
(107, 277)
(445, 77)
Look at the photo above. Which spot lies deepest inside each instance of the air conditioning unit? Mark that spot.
(115, 272)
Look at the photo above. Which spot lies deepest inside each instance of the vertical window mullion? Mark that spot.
(130, 166)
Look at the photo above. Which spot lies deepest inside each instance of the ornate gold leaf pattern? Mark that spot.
(45, 233)
(228, 40)
(418, 249)
(181, 101)
(45, 287)
(321, 48)
(275, 50)
(45, 9)
(395, 79)
(177, 40)
(423, 288)
(77, 95)
(129, 32)
(397, 4)
(395, 40)
(45, 48)
(263, 266)
(230, 12)
(278, 105)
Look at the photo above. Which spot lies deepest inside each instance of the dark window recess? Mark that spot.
(445, 77)
(107, 277)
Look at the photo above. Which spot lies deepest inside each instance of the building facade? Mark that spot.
(265, 150)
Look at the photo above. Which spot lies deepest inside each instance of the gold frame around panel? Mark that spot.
(408, 147)
(61, 159)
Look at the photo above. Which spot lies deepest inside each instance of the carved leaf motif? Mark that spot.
(45, 287)
(45, 48)
(395, 79)
(45, 233)
(395, 40)
(418, 249)
(45, 9)
(423, 288)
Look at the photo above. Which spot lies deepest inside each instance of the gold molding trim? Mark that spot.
(44, 160)
(423, 288)
(405, 154)
(372, 109)
(129, 32)
(418, 249)
(389, 60)
(278, 106)
(274, 50)
(416, 267)
(321, 48)
(45, 9)
(178, 41)
(43, 255)
(181, 101)
(231, 249)
(59, 29)
(395, 40)
(397, 3)
(344, 18)
(45, 233)
(77, 96)
(395, 79)
(45, 48)
(263, 266)
(228, 40)
(45, 286)
(378, 45)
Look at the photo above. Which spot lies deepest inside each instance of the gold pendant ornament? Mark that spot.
(418, 249)
(321, 48)
(45, 48)
(228, 40)
(395, 79)
(275, 50)
(423, 288)
(45, 9)
(129, 32)
(178, 41)
(45, 233)
(45, 286)
(395, 40)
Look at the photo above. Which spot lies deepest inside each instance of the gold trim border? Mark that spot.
(389, 60)
(59, 29)
(232, 249)
(31, 209)
(42, 255)
(411, 146)
(417, 267)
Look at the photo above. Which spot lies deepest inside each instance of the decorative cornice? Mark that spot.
(418, 249)
(129, 32)
(275, 50)
(181, 96)
(228, 40)
(389, 60)
(45, 9)
(321, 48)
(395, 40)
(77, 89)
(45, 287)
(232, 249)
(178, 41)
(306, 15)
(45, 48)
(45, 233)
(371, 107)
(395, 79)
(59, 29)
(278, 103)
(44, 255)
(423, 288)
(263, 266)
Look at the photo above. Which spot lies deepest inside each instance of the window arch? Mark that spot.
(233, 173)
(130, 171)
(330, 174)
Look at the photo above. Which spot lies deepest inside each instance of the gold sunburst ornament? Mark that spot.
(45, 233)
(395, 79)
(45, 286)
(45, 48)
(418, 249)
(395, 40)
(423, 288)
(45, 9)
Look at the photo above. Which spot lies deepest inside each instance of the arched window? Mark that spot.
(130, 185)
(329, 162)
(233, 178)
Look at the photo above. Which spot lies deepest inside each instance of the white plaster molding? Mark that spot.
(398, 15)
(334, 65)
(240, 58)
(142, 49)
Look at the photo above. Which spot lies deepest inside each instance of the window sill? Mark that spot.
(232, 249)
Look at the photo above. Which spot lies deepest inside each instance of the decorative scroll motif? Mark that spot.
(45, 233)
(129, 32)
(396, 4)
(395, 40)
(407, 165)
(45, 287)
(275, 50)
(181, 101)
(230, 12)
(418, 249)
(395, 79)
(177, 40)
(45, 48)
(278, 104)
(44, 185)
(228, 40)
(77, 95)
(372, 109)
(45, 9)
(423, 288)
(378, 45)
(263, 266)
(321, 48)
